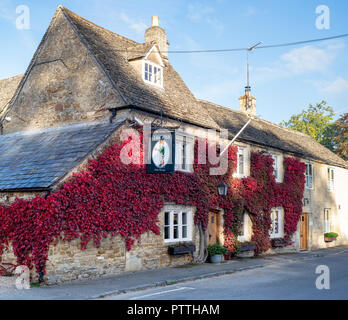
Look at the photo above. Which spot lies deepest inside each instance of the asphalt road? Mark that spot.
(285, 279)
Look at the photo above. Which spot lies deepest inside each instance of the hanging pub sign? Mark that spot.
(161, 152)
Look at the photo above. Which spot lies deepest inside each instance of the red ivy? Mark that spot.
(113, 198)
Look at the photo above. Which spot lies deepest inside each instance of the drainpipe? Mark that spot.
(113, 114)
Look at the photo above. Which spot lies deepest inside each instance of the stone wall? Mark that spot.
(319, 199)
(64, 85)
(7, 198)
(67, 262)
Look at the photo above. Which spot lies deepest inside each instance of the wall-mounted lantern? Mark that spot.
(222, 189)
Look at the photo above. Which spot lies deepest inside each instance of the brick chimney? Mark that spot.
(247, 103)
(156, 35)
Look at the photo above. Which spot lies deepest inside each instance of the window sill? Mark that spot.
(176, 241)
(158, 86)
(239, 176)
(184, 171)
(243, 239)
(276, 236)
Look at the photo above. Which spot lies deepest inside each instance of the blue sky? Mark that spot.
(284, 80)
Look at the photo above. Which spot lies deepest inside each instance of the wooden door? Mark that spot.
(304, 231)
(213, 228)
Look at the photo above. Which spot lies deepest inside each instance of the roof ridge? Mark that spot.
(288, 129)
(67, 126)
(257, 118)
(220, 106)
(96, 25)
(338, 160)
(8, 78)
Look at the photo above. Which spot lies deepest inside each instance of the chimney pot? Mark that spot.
(247, 103)
(155, 21)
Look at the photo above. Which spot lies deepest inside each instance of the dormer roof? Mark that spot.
(145, 51)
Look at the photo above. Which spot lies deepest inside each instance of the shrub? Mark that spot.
(216, 249)
(331, 235)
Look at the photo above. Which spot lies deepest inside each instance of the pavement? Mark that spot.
(128, 283)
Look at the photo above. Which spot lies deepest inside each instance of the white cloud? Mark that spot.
(339, 85)
(199, 13)
(7, 10)
(333, 44)
(308, 58)
(138, 26)
(299, 61)
(250, 11)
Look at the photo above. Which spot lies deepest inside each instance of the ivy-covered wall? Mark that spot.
(114, 199)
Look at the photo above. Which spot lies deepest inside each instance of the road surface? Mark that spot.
(284, 279)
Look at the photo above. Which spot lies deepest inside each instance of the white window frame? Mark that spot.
(184, 149)
(246, 236)
(153, 66)
(309, 177)
(331, 179)
(327, 221)
(280, 233)
(276, 167)
(179, 210)
(242, 151)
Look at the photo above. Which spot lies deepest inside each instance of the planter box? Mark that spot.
(327, 239)
(247, 247)
(245, 254)
(181, 250)
(278, 243)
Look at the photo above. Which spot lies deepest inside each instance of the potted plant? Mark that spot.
(215, 252)
(181, 248)
(330, 236)
(247, 246)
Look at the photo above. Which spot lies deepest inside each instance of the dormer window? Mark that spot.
(152, 73)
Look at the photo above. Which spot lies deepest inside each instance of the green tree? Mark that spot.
(317, 122)
(341, 138)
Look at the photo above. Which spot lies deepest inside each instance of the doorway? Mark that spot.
(213, 228)
(304, 231)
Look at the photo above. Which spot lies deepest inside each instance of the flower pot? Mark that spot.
(327, 239)
(216, 258)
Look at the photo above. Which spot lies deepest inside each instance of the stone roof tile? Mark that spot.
(37, 159)
(268, 134)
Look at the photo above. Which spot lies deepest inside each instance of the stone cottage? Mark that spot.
(83, 85)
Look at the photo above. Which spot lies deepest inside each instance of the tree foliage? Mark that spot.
(341, 138)
(317, 122)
